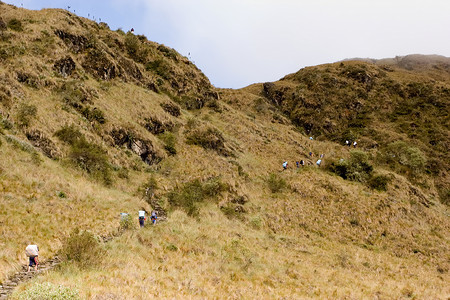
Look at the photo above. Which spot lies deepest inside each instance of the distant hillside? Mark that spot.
(94, 123)
(377, 104)
(416, 62)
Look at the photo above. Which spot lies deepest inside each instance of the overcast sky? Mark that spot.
(239, 42)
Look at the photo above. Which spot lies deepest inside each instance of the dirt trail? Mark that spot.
(23, 276)
(12, 282)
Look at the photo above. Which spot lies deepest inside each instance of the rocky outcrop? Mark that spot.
(76, 43)
(143, 148)
(156, 126)
(65, 66)
(39, 140)
(171, 108)
(98, 64)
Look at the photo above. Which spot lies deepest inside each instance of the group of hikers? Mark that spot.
(301, 163)
(142, 218)
(32, 251)
(349, 143)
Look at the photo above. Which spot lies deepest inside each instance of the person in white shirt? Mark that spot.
(32, 252)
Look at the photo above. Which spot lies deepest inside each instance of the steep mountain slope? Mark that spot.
(379, 105)
(96, 122)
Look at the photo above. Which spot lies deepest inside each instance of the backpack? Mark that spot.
(32, 250)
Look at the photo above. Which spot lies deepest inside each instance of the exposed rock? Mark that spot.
(152, 86)
(99, 65)
(27, 78)
(157, 126)
(141, 147)
(39, 140)
(76, 43)
(130, 68)
(171, 108)
(242, 199)
(271, 92)
(2, 25)
(65, 66)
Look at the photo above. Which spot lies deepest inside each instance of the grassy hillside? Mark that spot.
(97, 122)
(400, 116)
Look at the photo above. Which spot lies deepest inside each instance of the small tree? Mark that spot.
(356, 168)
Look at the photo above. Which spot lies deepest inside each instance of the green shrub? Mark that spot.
(126, 222)
(15, 25)
(169, 142)
(7, 124)
(47, 291)
(135, 48)
(123, 173)
(22, 145)
(171, 247)
(400, 153)
(168, 52)
(209, 138)
(83, 249)
(356, 168)
(69, 134)
(191, 193)
(93, 115)
(87, 156)
(26, 113)
(379, 182)
(276, 183)
(160, 67)
(233, 211)
(91, 158)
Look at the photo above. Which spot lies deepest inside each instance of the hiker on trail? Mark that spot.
(285, 165)
(319, 162)
(310, 154)
(297, 163)
(354, 144)
(141, 218)
(154, 217)
(32, 252)
(321, 155)
(302, 163)
(347, 143)
(311, 138)
(132, 30)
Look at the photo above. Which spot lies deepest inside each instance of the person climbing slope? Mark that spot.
(154, 217)
(141, 218)
(32, 251)
(319, 162)
(285, 165)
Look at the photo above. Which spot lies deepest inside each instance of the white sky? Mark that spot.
(239, 42)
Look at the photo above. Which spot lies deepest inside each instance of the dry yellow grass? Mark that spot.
(320, 237)
(218, 258)
(43, 203)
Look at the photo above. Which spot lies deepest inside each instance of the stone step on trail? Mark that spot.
(22, 276)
